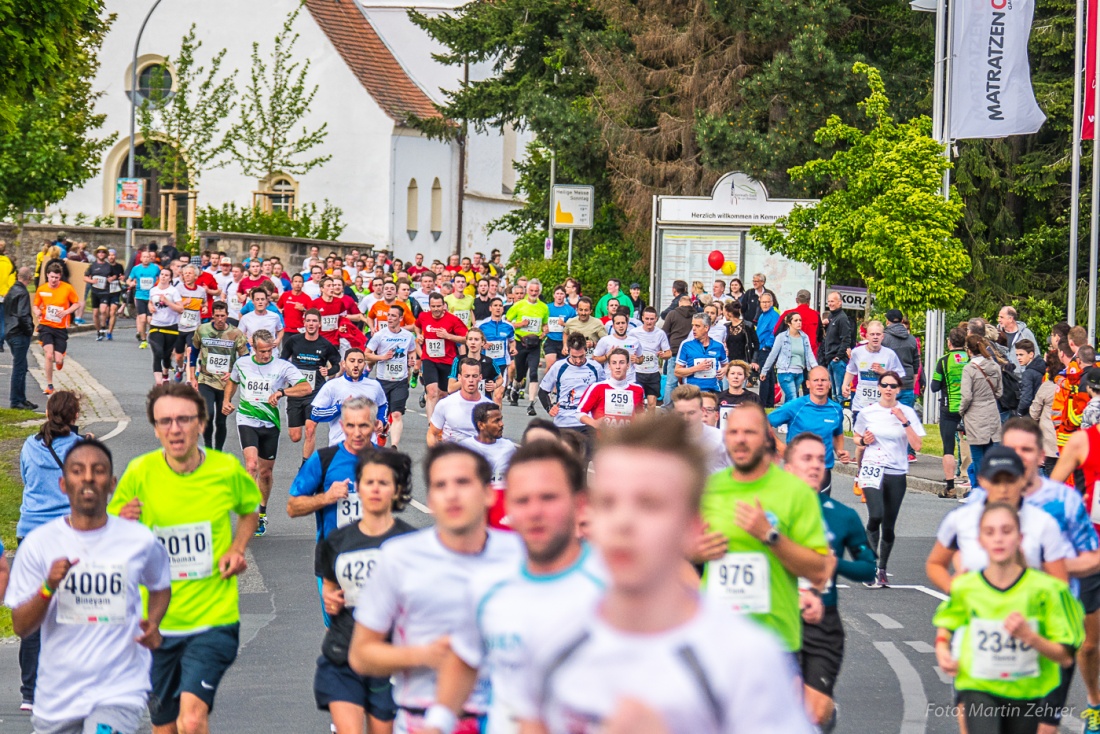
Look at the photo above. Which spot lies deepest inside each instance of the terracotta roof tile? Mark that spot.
(359, 44)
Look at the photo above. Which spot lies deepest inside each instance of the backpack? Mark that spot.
(1010, 389)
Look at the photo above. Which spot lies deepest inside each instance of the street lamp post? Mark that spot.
(133, 124)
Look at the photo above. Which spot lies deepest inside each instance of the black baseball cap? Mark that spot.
(1091, 378)
(1001, 460)
(635, 285)
(894, 316)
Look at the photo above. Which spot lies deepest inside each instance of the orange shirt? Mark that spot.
(380, 312)
(50, 302)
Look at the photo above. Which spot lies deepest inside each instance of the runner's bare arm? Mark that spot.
(370, 654)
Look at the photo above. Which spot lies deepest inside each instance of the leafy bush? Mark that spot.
(593, 263)
(307, 222)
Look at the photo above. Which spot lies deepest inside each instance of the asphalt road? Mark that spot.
(889, 683)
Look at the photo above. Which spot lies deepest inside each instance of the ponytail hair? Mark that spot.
(976, 345)
(62, 410)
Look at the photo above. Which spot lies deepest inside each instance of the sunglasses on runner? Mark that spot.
(890, 385)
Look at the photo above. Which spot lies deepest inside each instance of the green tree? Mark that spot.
(266, 137)
(884, 219)
(185, 122)
(47, 142)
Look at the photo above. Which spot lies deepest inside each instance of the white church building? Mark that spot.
(373, 68)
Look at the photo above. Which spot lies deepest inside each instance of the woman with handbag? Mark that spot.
(981, 386)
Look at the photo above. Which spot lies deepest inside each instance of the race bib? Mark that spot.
(99, 282)
(870, 476)
(435, 348)
(740, 581)
(618, 403)
(145, 284)
(556, 324)
(649, 363)
(53, 313)
(997, 655)
(189, 320)
(464, 317)
(256, 391)
(711, 370)
(190, 549)
(869, 392)
(1094, 511)
(532, 324)
(93, 593)
(394, 369)
(348, 510)
(311, 378)
(217, 364)
(494, 350)
(353, 571)
(114, 287)
(330, 322)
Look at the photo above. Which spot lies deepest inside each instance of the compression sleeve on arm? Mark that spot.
(544, 398)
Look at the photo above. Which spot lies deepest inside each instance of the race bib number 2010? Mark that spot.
(190, 549)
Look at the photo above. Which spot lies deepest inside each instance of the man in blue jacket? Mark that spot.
(817, 414)
(765, 329)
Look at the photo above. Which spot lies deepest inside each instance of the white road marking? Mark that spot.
(944, 677)
(420, 506)
(920, 646)
(886, 622)
(913, 699)
(924, 589)
(122, 425)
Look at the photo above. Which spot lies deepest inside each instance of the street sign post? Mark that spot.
(572, 207)
(851, 297)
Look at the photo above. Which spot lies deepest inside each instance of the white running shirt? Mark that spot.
(652, 342)
(88, 651)
(717, 674)
(890, 447)
(454, 415)
(419, 593)
(498, 454)
(865, 389)
(1042, 536)
(326, 403)
(403, 343)
(631, 343)
(162, 316)
(507, 613)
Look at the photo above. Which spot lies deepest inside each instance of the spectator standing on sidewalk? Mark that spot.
(834, 347)
(20, 329)
(7, 280)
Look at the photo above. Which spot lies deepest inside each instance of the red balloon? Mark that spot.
(715, 259)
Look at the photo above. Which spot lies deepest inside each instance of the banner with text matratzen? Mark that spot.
(991, 95)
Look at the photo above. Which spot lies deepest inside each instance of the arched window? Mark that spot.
(154, 82)
(437, 210)
(282, 195)
(412, 209)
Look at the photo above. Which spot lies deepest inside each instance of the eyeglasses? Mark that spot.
(890, 385)
(182, 420)
(710, 410)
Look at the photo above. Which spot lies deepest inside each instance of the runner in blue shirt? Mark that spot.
(702, 361)
(142, 278)
(817, 414)
(560, 312)
(500, 336)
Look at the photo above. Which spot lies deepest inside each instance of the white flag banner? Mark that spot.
(991, 95)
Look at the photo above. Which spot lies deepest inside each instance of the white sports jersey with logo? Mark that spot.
(454, 415)
(88, 649)
(1042, 536)
(568, 382)
(498, 454)
(631, 343)
(419, 593)
(716, 674)
(865, 389)
(402, 343)
(507, 613)
(326, 403)
(255, 384)
(652, 342)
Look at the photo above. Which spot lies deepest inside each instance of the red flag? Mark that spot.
(1088, 124)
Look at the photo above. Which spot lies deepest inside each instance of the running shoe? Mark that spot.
(1091, 715)
(880, 581)
(262, 527)
(413, 380)
(423, 401)
(179, 375)
(26, 705)
(144, 344)
(138, 337)
(856, 489)
(513, 398)
(48, 390)
(99, 336)
(531, 409)
(110, 337)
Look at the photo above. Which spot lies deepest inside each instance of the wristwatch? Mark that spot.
(906, 424)
(772, 537)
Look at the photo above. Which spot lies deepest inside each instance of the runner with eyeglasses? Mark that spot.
(885, 430)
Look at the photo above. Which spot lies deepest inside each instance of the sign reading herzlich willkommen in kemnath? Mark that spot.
(991, 94)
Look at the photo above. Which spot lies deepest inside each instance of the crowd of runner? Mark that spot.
(658, 554)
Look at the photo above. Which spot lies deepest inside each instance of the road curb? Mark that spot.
(919, 484)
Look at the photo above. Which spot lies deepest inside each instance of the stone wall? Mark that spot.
(291, 250)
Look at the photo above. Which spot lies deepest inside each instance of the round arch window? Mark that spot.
(155, 80)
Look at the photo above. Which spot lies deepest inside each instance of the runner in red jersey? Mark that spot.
(293, 304)
(207, 281)
(616, 400)
(438, 333)
(254, 278)
(332, 307)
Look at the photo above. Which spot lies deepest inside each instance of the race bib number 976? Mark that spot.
(741, 582)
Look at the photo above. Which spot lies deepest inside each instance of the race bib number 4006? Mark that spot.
(93, 593)
(741, 582)
(190, 549)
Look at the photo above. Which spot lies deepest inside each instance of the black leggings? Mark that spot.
(215, 418)
(988, 714)
(162, 342)
(883, 506)
(527, 363)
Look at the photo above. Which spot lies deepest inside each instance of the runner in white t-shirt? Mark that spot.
(393, 350)
(655, 347)
(620, 337)
(453, 418)
(490, 442)
(868, 362)
(687, 402)
(653, 654)
(422, 584)
(561, 579)
(77, 579)
(165, 306)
